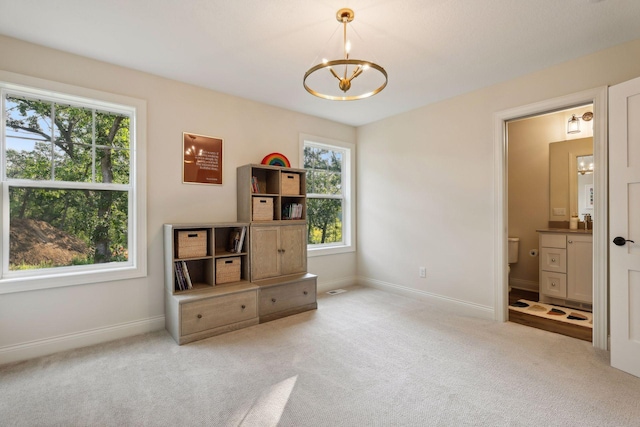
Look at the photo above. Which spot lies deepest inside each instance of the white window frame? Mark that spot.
(349, 194)
(136, 266)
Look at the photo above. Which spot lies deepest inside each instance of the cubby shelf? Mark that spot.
(208, 307)
(265, 279)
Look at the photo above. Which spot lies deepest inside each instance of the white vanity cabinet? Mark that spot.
(566, 267)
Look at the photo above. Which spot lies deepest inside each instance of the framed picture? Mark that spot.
(201, 159)
(588, 196)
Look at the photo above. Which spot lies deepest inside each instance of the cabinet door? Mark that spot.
(265, 255)
(580, 268)
(293, 246)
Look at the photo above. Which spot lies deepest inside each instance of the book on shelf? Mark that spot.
(243, 233)
(180, 283)
(236, 239)
(292, 211)
(183, 280)
(187, 277)
(254, 185)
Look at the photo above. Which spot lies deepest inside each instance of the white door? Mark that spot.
(624, 225)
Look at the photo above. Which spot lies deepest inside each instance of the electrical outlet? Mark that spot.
(423, 272)
(559, 211)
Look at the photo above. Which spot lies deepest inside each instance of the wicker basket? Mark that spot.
(263, 209)
(290, 184)
(228, 270)
(192, 244)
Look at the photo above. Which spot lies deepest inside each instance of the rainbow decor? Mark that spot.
(276, 159)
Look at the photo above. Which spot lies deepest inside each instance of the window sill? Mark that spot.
(313, 251)
(31, 283)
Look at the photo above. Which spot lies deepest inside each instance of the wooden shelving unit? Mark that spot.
(278, 254)
(264, 280)
(208, 307)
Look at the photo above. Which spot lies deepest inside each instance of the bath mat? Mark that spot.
(548, 311)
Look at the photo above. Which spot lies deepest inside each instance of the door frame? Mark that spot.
(598, 97)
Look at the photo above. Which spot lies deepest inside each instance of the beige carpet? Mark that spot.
(365, 358)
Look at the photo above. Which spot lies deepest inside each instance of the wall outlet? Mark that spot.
(559, 211)
(422, 272)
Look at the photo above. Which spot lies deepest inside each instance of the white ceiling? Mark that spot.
(260, 49)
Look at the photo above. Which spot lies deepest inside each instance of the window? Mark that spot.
(70, 190)
(330, 208)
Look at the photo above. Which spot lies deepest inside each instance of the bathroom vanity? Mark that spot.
(566, 267)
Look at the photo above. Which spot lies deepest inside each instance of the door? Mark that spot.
(265, 251)
(294, 248)
(624, 222)
(580, 268)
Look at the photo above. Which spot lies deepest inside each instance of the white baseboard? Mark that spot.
(43, 347)
(457, 306)
(527, 285)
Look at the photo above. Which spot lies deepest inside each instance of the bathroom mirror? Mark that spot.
(584, 187)
(570, 190)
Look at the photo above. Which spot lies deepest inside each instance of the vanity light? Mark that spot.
(582, 169)
(573, 125)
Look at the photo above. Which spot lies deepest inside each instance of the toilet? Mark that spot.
(514, 245)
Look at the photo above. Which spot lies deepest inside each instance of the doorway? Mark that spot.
(598, 97)
(549, 169)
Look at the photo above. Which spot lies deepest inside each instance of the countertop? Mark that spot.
(564, 230)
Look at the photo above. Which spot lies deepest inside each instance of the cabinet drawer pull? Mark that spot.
(199, 316)
(553, 260)
(305, 292)
(553, 284)
(243, 306)
(273, 300)
(570, 241)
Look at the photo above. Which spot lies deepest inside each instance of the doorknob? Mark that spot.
(620, 241)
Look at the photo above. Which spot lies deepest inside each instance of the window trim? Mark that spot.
(349, 193)
(78, 275)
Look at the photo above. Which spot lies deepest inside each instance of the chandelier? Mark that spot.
(320, 80)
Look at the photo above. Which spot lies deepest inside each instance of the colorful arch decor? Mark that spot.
(276, 159)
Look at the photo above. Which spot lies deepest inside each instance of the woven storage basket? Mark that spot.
(192, 243)
(262, 209)
(228, 270)
(290, 184)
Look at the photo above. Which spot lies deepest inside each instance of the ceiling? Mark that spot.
(260, 49)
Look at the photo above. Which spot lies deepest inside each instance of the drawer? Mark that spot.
(553, 284)
(552, 259)
(213, 312)
(550, 240)
(285, 297)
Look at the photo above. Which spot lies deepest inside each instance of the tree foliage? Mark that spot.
(56, 143)
(324, 177)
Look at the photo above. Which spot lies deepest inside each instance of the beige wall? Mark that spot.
(425, 189)
(426, 183)
(529, 142)
(40, 321)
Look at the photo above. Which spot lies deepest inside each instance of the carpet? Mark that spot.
(553, 312)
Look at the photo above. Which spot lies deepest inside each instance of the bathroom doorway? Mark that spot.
(550, 172)
(598, 97)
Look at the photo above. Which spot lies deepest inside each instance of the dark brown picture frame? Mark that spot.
(201, 159)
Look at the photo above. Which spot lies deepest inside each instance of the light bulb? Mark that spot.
(347, 46)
